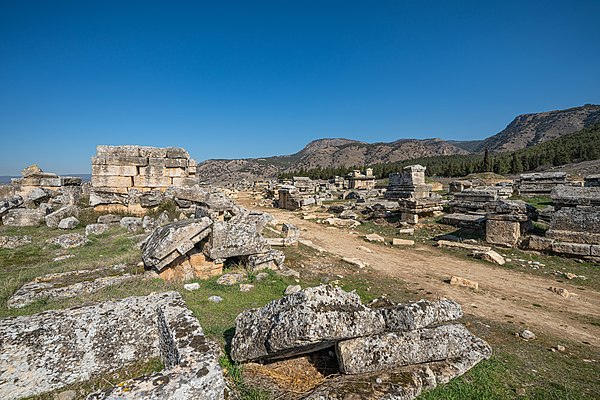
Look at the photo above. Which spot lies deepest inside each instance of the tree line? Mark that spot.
(579, 146)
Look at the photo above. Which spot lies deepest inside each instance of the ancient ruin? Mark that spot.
(382, 341)
(540, 183)
(359, 181)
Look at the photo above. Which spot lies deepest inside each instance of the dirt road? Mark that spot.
(502, 292)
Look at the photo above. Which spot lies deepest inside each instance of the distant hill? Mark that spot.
(325, 153)
(524, 131)
(530, 129)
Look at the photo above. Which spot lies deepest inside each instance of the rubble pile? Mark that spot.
(575, 224)
(384, 343)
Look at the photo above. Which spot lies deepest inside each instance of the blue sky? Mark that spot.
(257, 78)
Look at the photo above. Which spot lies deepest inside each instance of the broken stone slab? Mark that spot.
(69, 240)
(292, 234)
(101, 196)
(260, 219)
(230, 279)
(53, 219)
(68, 284)
(213, 200)
(272, 259)
(173, 240)
(463, 220)
(57, 348)
(406, 231)
(575, 196)
(373, 237)
(312, 319)
(401, 383)
(402, 242)
(151, 199)
(416, 315)
(348, 214)
(96, 229)
(356, 262)
(10, 203)
(458, 281)
(340, 222)
(31, 170)
(109, 219)
(397, 349)
(132, 224)
(309, 243)
(68, 223)
(459, 245)
(12, 242)
(23, 217)
(37, 196)
(490, 256)
(234, 240)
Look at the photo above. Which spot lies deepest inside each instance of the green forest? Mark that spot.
(579, 146)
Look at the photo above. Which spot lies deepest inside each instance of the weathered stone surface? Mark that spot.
(259, 219)
(292, 289)
(464, 220)
(68, 223)
(246, 287)
(577, 219)
(234, 240)
(402, 242)
(269, 260)
(99, 196)
(109, 219)
(173, 240)
(192, 265)
(230, 279)
(151, 199)
(23, 217)
(57, 348)
(292, 234)
(490, 256)
(37, 195)
(10, 203)
(577, 249)
(312, 319)
(503, 233)
(356, 262)
(458, 281)
(373, 237)
(132, 224)
(53, 219)
(396, 349)
(416, 315)
(214, 200)
(340, 222)
(69, 240)
(459, 245)
(68, 284)
(539, 243)
(401, 383)
(96, 229)
(114, 170)
(114, 181)
(576, 196)
(32, 170)
(12, 242)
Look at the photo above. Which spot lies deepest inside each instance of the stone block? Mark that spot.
(112, 181)
(177, 152)
(573, 236)
(502, 233)
(153, 152)
(577, 249)
(415, 315)
(539, 243)
(458, 281)
(175, 172)
(152, 181)
(595, 250)
(176, 163)
(114, 170)
(119, 160)
(403, 242)
(396, 349)
(23, 217)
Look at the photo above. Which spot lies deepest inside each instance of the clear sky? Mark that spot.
(231, 79)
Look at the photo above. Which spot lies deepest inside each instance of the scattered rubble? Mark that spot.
(458, 281)
(69, 240)
(12, 242)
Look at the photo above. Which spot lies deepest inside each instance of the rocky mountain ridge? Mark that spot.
(524, 131)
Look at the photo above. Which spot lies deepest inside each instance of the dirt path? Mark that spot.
(503, 293)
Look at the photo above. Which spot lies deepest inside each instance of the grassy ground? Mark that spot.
(518, 369)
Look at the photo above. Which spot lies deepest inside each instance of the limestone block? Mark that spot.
(184, 181)
(396, 349)
(112, 181)
(573, 236)
(153, 152)
(539, 243)
(503, 233)
(126, 150)
(114, 170)
(175, 172)
(578, 249)
(403, 242)
(151, 181)
(177, 152)
(119, 160)
(595, 250)
(309, 320)
(23, 217)
(176, 163)
(416, 315)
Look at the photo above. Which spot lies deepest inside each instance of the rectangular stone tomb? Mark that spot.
(45, 352)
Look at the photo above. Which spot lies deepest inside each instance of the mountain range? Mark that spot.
(524, 131)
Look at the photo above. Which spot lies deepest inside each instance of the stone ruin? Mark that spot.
(575, 224)
(198, 247)
(45, 352)
(394, 350)
(591, 181)
(541, 183)
(291, 198)
(414, 196)
(39, 197)
(131, 178)
(505, 221)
